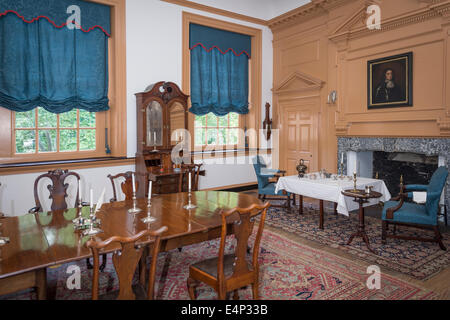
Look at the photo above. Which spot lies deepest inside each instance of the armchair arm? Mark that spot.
(401, 198)
(416, 187)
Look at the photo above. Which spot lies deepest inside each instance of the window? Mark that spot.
(41, 136)
(39, 131)
(198, 125)
(213, 130)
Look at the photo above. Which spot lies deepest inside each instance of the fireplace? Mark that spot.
(414, 158)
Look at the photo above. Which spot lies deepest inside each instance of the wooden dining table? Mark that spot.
(42, 240)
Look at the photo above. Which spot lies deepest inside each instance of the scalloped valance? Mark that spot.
(93, 15)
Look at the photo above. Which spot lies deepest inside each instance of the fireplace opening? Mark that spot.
(416, 168)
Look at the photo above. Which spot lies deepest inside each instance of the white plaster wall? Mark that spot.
(16, 191)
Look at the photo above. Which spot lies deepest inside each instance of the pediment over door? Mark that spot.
(298, 82)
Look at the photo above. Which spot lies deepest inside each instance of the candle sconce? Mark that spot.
(190, 206)
(267, 124)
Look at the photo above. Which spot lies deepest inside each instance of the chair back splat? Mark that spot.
(126, 186)
(126, 260)
(58, 189)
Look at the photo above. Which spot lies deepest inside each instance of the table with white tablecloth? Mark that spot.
(329, 189)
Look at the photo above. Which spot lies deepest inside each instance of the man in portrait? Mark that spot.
(388, 90)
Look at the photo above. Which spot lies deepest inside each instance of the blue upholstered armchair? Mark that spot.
(266, 189)
(399, 212)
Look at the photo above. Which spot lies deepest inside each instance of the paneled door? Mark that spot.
(299, 135)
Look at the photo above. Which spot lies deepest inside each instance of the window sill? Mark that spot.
(43, 166)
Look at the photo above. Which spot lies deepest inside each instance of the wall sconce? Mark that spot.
(332, 97)
(267, 124)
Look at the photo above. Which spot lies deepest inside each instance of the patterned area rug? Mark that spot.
(289, 271)
(417, 259)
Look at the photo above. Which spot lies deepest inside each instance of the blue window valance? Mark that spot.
(219, 71)
(46, 64)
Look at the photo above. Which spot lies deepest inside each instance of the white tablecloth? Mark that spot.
(331, 190)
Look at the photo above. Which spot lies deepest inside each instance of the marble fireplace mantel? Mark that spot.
(428, 146)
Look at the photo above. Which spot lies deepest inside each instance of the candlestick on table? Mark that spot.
(190, 206)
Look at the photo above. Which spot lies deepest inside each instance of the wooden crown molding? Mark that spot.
(309, 83)
(354, 27)
(303, 13)
(226, 13)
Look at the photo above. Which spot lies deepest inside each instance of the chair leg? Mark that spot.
(384, 226)
(438, 238)
(255, 290)
(88, 264)
(104, 260)
(294, 200)
(191, 284)
(445, 214)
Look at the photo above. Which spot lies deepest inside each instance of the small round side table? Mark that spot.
(361, 197)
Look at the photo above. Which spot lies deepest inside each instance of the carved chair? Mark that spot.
(58, 190)
(194, 169)
(230, 272)
(266, 188)
(398, 211)
(126, 186)
(125, 263)
(58, 194)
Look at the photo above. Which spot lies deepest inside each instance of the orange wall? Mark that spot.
(334, 45)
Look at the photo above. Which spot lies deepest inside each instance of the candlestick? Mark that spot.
(354, 181)
(190, 206)
(92, 221)
(148, 218)
(135, 209)
(150, 190)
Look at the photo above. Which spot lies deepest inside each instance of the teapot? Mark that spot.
(301, 168)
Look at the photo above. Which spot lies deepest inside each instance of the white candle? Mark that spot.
(154, 137)
(134, 185)
(150, 189)
(176, 136)
(100, 200)
(189, 182)
(79, 192)
(342, 157)
(91, 198)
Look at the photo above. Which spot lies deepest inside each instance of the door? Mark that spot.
(299, 136)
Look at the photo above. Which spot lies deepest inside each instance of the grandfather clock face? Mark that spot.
(154, 124)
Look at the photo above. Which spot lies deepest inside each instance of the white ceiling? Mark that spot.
(262, 9)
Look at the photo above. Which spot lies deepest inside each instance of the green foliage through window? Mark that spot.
(40, 131)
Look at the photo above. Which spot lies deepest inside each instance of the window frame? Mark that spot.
(250, 120)
(114, 119)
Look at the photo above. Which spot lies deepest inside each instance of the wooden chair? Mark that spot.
(231, 272)
(58, 190)
(58, 194)
(125, 263)
(194, 169)
(126, 186)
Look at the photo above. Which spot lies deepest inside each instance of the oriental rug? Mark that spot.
(417, 259)
(288, 271)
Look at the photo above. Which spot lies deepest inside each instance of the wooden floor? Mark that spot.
(439, 283)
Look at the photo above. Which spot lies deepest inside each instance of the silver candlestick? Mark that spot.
(190, 206)
(92, 222)
(342, 170)
(78, 221)
(135, 209)
(148, 218)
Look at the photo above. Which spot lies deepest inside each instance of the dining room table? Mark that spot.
(45, 239)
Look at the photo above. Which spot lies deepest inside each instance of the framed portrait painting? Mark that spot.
(389, 82)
